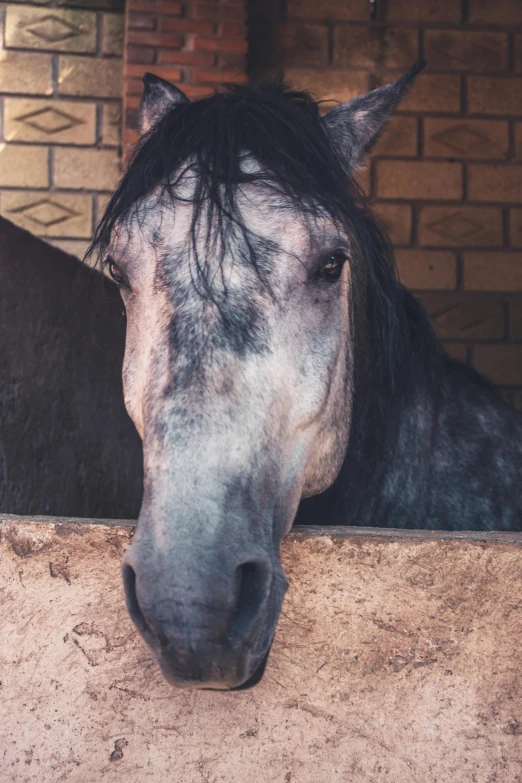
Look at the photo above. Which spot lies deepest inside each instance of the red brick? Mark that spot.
(466, 317)
(430, 93)
(495, 182)
(141, 54)
(457, 351)
(501, 12)
(351, 11)
(170, 73)
(426, 269)
(493, 271)
(515, 221)
(154, 39)
(364, 47)
(494, 95)
(175, 56)
(195, 91)
(142, 21)
(424, 11)
(219, 45)
(461, 226)
(232, 30)
(465, 138)
(462, 50)
(399, 138)
(502, 364)
(133, 86)
(175, 24)
(215, 76)
(419, 179)
(155, 7)
(218, 12)
(230, 61)
(397, 221)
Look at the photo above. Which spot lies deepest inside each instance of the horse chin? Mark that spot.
(252, 674)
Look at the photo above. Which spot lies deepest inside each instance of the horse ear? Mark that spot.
(355, 126)
(158, 97)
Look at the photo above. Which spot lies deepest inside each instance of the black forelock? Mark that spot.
(282, 130)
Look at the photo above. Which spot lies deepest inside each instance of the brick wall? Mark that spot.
(194, 44)
(60, 109)
(446, 177)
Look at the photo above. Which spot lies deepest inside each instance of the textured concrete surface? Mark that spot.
(397, 659)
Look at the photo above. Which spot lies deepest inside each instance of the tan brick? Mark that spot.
(502, 364)
(51, 122)
(23, 166)
(515, 220)
(492, 182)
(466, 50)
(419, 179)
(461, 226)
(399, 138)
(493, 271)
(494, 95)
(458, 351)
(54, 29)
(75, 247)
(363, 47)
(465, 138)
(90, 77)
(425, 11)
(426, 269)
(501, 12)
(111, 124)
(91, 169)
(353, 11)
(328, 84)
(466, 317)
(397, 221)
(23, 72)
(430, 93)
(49, 214)
(302, 44)
(112, 34)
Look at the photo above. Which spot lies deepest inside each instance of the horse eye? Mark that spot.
(114, 271)
(332, 266)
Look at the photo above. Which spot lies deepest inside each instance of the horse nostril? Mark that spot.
(252, 587)
(131, 598)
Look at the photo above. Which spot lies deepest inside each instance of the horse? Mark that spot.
(67, 444)
(272, 356)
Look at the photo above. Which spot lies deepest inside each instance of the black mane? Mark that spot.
(282, 129)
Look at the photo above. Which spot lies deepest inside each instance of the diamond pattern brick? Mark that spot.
(461, 226)
(49, 214)
(466, 139)
(54, 29)
(51, 122)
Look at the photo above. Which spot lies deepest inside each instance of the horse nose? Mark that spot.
(185, 618)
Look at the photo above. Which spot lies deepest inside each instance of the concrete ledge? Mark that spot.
(398, 659)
